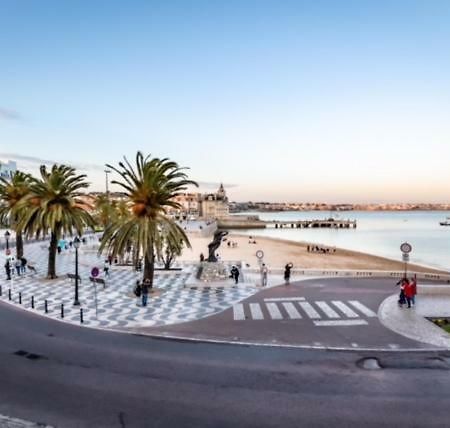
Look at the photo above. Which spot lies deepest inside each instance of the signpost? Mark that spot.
(260, 257)
(406, 248)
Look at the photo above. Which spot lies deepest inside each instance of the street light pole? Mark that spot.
(76, 244)
(7, 235)
(107, 171)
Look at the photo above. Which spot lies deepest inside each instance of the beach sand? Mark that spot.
(278, 252)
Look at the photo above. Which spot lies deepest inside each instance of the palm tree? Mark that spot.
(54, 206)
(150, 188)
(12, 191)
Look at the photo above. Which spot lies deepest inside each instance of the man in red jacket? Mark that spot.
(409, 293)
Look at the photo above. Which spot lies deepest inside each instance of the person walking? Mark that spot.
(137, 291)
(106, 268)
(23, 265)
(287, 273)
(18, 265)
(235, 274)
(402, 296)
(264, 274)
(145, 292)
(8, 270)
(409, 293)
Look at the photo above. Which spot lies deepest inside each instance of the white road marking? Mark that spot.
(255, 309)
(291, 310)
(339, 323)
(361, 308)
(310, 311)
(326, 308)
(350, 313)
(284, 299)
(238, 312)
(274, 312)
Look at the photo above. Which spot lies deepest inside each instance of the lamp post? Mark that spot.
(76, 244)
(7, 235)
(107, 171)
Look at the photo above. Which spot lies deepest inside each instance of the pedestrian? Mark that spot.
(59, 249)
(235, 274)
(409, 293)
(264, 273)
(106, 269)
(137, 290)
(144, 291)
(8, 270)
(110, 259)
(23, 263)
(18, 265)
(413, 283)
(287, 273)
(202, 257)
(402, 296)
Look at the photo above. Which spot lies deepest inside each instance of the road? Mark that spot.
(69, 376)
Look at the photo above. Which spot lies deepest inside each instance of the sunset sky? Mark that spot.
(335, 101)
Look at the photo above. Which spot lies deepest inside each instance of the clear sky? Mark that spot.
(335, 101)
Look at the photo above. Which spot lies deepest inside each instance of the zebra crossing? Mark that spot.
(320, 312)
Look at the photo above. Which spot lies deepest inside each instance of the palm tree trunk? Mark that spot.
(19, 245)
(149, 267)
(51, 272)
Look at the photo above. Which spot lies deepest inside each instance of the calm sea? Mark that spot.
(379, 233)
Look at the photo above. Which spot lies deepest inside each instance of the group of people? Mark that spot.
(317, 249)
(141, 291)
(408, 291)
(232, 244)
(20, 265)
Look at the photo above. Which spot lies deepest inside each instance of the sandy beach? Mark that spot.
(278, 252)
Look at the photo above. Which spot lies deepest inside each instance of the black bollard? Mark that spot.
(1, 291)
(46, 306)
(81, 315)
(20, 297)
(62, 310)
(32, 302)
(9, 294)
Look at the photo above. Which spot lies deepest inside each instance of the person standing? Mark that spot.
(408, 292)
(287, 273)
(145, 292)
(8, 270)
(106, 268)
(23, 265)
(18, 265)
(413, 283)
(235, 274)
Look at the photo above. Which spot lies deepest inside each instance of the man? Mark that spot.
(287, 273)
(264, 273)
(8, 270)
(413, 283)
(409, 292)
(235, 274)
(144, 291)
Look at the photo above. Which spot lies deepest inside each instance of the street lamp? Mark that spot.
(7, 235)
(76, 244)
(107, 171)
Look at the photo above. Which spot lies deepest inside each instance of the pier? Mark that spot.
(304, 224)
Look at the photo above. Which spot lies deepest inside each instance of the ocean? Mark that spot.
(378, 232)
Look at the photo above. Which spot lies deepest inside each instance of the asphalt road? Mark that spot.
(69, 376)
(335, 330)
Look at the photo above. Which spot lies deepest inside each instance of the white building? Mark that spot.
(7, 168)
(214, 205)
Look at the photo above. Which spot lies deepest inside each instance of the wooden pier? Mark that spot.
(305, 224)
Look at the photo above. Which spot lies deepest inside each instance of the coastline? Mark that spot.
(278, 252)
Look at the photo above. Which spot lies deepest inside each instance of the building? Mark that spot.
(190, 205)
(214, 205)
(7, 168)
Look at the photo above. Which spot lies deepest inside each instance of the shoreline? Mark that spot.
(279, 251)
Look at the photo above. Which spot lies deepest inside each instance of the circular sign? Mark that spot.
(95, 272)
(260, 254)
(405, 247)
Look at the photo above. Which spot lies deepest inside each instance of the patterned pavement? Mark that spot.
(117, 306)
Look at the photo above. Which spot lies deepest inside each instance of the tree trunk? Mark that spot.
(19, 245)
(149, 267)
(51, 272)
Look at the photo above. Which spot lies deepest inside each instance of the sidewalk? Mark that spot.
(412, 323)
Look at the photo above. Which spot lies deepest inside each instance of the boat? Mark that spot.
(446, 222)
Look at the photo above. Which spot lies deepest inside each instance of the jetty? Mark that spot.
(254, 222)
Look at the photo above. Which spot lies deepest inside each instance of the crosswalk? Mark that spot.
(320, 312)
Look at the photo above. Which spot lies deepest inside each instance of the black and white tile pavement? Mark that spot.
(117, 306)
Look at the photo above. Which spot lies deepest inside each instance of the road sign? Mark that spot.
(405, 257)
(405, 247)
(95, 272)
(260, 254)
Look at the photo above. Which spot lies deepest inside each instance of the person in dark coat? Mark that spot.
(287, 273)
(144, 291)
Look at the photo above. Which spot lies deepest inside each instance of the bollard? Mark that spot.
(62, 310)
(20, 297)
(32, 302)
(81, 315)
(46, 306)
(9, 294)
(1, 292)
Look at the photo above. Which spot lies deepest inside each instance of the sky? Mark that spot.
(330, 101)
